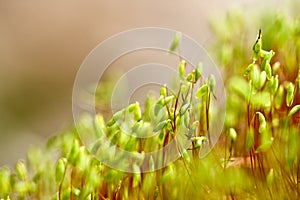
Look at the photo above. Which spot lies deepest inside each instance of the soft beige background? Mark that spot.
(42, 44)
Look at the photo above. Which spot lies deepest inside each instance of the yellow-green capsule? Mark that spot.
(289, 94)
(137, 112)
(186, 156)
(198, 72)
(257, 46)
(60, 170)
(262, 122)
(163, 91)
(131, 107)
(279, 97)
(21, 170)
(268, 70)
(115, 117)
(175, 43)
(74, 152)
(212, 83)
(232, 134)
(190, 76)
(294, 110)
(182, 66)
(275, 84)
(255, 76)
(262, 79)
(270, 177)
(202, 91)
(249, 69)
(276, 67)
(168, 99)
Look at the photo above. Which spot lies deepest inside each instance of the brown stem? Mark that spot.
(207, 119)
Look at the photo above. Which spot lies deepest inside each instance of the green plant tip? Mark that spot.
(21, 170)
(175, 43)
(232, 134)
(202, 91)
(294, 110)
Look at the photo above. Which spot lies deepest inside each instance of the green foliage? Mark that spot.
(256, 157)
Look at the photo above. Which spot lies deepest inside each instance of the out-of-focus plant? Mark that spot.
(262, 122)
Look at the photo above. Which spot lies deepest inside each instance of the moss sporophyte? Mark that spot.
(256, 157)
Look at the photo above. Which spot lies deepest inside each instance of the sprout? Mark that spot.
(232, 134)
(137, 112)
(182, 66)
(262, 122)
(276, 67)
(290, 94)
(60, 170)
(279, 97)
(212, 83)
(190, 76)
(21, 170)
(273, 84)
(115, 117)
(72, 157)
(268, 70)
(165, 100)
(198, 72)
(175, 43)
(294, 110)
(163, 91)
(202, 91)
(257, 46)
(249, 69)
(262, 79)
(270, 177)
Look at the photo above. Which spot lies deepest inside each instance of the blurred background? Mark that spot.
(43, 43)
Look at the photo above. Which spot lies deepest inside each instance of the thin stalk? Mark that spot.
(61, 183)
(169, 114)
(71, 184)
(185, 164)
(284, 172)
(225, 153)
(207, 119)
(298, 173)
(175, 107)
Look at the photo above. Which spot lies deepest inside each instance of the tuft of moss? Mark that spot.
(257, 155)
